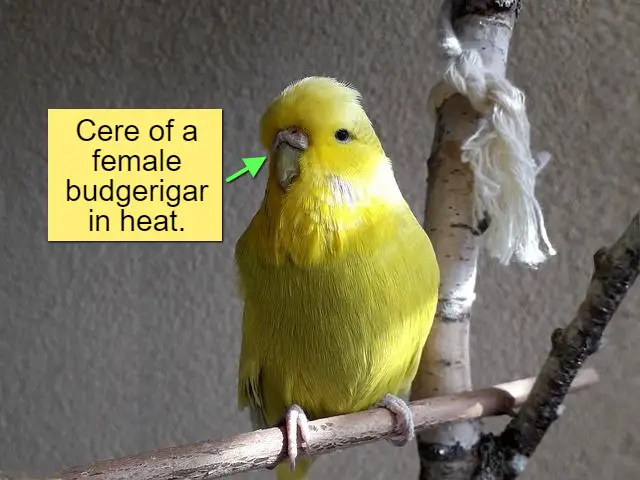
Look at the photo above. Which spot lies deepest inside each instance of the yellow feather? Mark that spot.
(340, 282)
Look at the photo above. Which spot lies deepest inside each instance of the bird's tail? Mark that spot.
(283, 470)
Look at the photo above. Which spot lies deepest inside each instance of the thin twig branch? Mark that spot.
(265, 448)
(615, 270)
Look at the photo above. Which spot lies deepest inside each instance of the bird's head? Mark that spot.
(331, 186)
(317, 133)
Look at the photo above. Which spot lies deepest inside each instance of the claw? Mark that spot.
(404, 419)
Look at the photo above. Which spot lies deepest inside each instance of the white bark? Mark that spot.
(447, 452)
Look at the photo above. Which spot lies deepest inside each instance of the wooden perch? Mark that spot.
(265, 448)
(615, 270)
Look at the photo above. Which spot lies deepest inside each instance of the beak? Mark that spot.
(286, 148)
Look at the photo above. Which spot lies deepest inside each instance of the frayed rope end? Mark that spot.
(499, 153)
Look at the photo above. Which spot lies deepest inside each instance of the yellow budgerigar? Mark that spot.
(340, 282)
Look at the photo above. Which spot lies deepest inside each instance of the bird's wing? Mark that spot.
(250, 384)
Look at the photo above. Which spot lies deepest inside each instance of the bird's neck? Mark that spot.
(326, 219)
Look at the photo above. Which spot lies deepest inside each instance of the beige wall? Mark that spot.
(109, 349)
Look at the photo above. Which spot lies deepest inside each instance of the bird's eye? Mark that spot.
(342, 135)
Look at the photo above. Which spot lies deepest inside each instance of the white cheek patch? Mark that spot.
(342, 192)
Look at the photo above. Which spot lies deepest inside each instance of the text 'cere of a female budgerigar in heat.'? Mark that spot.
(127, 175)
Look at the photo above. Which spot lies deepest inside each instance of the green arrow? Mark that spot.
(251, 165)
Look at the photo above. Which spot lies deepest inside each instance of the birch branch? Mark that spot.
(265, 448)
(453, 227)
(615, 270)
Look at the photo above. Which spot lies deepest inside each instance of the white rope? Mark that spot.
(498, 152)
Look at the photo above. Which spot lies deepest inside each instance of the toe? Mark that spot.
(399, 440)
(303, 425)
(292, 436)
(404, 419)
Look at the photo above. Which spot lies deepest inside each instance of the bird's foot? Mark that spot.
(404, 419)
(294, 420)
